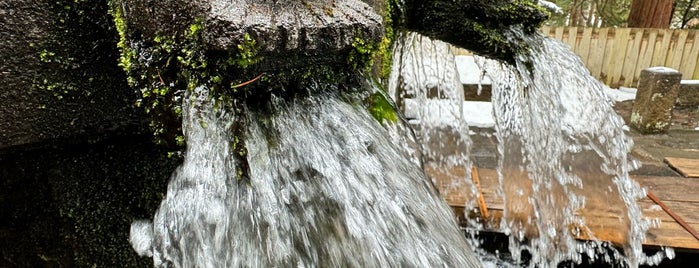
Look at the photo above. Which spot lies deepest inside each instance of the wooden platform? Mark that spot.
(687, 167)
(681, 195)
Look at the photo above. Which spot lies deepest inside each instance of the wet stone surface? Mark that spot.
(297, 29)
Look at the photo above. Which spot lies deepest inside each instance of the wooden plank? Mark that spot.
(647, 47)
(671, 188)
(621, 40)
(572, 38)
(633, 52)
(559, 33)
(689, 64)
(596, 55)
(677, 50)
(685, 166)
(605, 74)
(689, 211)
(584, 46)
(676, 193)
(660, 52)
(545, 30)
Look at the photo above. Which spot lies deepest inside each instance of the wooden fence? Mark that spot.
(616, 56)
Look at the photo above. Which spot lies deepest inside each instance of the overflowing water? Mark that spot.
(563, 155)
(320, 183)
(325, 187)
(426, 85)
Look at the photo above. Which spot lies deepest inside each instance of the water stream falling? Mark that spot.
(426, 85)
(563, 155)
(327, 187)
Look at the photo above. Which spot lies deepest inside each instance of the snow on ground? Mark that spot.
(469, 72)
(478, 113)
(621, 94)
(550, 6)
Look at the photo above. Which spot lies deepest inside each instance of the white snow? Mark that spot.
(689, 82)
(551, 6)
(621, 94)
(697, 128)
(662, 69)
(444, 112)
(469, 72)
(478, 113)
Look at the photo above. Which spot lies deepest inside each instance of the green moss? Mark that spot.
(247, 54)
(381, 109)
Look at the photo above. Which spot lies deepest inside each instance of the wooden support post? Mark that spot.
(656, 96)
(481, 200)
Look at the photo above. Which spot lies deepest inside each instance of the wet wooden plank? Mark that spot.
(676, 192)
(687, 167)
(671, 188)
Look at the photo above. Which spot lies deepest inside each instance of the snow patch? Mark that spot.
(662, 69)
(551, 6)
(469, 72)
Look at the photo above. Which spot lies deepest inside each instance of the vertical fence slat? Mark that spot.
(608, 58)
(678, 50)
(633, 53)
(559, 33)
(596, 56)
(619, 55)
(616, 56)
(646, 52)
(693, 58)
(688, 64)
(661, 51)
(572, 36)
(584, 47)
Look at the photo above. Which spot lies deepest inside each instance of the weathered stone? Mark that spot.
(657, 92)
(58, 73)
(313, 31)
(489, 28)
(688, 95)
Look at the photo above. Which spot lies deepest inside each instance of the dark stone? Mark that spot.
(688, 96)
(58, 74)
(489, 28)
(72, 205)
(309, 32)
(655, 99)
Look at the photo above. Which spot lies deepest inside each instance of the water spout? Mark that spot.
(563, 152)
(326, 188)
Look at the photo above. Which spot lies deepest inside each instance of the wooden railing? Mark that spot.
(616, 56)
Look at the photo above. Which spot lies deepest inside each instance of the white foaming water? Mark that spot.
(425, 82)
(326, 187)
(563, 155)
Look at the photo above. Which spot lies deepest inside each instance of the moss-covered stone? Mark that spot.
(489, 28)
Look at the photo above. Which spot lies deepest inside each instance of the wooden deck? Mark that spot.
(680, 194)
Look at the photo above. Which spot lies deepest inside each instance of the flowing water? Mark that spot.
(563, 155)
(426, 85)
(326, 187)
(323, 184)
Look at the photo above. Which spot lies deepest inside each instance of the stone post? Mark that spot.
(657, 92)
(689, 93)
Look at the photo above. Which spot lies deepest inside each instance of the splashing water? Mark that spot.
(425, 82)
(563, 155)
(326, 188)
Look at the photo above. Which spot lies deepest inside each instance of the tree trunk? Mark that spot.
(651, 13)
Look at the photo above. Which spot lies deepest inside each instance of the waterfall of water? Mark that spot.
(425, 83)
(326, 187)
(563, 152)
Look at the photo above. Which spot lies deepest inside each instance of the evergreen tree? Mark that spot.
(651, 13)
